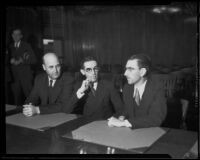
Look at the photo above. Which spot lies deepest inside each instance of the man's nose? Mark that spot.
(56, 69)
(125, 73)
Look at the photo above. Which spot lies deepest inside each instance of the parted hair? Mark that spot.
(143, 61)
(87, 59)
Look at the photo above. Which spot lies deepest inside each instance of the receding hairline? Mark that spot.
(50, 54)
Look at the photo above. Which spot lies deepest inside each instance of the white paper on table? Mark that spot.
(39, 121)
(121, 137)
(194, 149)
(10, 107)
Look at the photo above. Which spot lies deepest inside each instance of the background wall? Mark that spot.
(110, 33)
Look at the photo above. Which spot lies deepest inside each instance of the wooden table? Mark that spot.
(19, 140)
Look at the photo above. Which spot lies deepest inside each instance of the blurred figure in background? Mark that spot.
(21, 58)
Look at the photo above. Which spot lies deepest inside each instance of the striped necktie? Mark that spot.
(137, 97)
(51, 83)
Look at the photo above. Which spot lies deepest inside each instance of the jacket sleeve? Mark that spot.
(34, 96)
(155, 114)
(116, 101)
(73, 100)
(29, 55)
(63, 98)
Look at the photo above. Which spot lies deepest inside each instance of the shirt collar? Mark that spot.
(140, 88)
(54, 80)
(95, 85)
(18, 43)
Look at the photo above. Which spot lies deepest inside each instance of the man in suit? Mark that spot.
(51, 91)
(22, 56)
(95, 98)
(144, 99)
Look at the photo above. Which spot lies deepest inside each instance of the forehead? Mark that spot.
(51, 60)
(17, 32)
(90, 64)
(132, 63)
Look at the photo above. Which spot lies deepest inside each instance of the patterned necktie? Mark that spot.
(137, 97)
(51, 83)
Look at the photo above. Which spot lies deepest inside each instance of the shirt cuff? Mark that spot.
(79, 94)
(37, 110)
(127, 123)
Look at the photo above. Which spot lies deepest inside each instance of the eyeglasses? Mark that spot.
(89, 70)
(129, 69)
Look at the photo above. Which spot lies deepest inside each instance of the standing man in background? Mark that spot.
(22, 56)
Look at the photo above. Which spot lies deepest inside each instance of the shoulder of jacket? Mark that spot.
(40, 76)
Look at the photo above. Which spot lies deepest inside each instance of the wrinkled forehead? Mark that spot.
(90, 64)
(132, 63)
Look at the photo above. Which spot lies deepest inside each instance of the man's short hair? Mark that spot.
(143, 61)
(87, 59)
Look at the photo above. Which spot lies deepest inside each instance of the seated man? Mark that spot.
(145, 103)
(96, 97)
(51, 91)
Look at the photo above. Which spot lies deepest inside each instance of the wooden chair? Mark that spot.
(185, 105)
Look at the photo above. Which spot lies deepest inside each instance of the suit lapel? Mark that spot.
(56, 90)
(131, 100)
(100, 90)
(147, 95)
(45, 89)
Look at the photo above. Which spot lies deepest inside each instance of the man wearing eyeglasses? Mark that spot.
(145, 103)
(96, 98)
(51, 91)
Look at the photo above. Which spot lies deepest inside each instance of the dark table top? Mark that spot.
(19, 140)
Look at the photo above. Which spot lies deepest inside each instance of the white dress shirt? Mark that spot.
(54, 81)
(140, 89)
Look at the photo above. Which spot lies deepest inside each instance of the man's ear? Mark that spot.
(143, 71)
(82, 71)
(43, 67)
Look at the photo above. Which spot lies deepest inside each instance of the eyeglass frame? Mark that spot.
(89, 70)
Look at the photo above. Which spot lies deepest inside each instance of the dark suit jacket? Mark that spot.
(24, 68)
(62, 91)
(152, 109)
(101, 105)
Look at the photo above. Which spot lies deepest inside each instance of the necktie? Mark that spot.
(51, 83)
(16, 44)
(137, 97)
(49, 90)
(91, 88)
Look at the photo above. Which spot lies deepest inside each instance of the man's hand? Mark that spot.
(16, 62)
(20, 60)
(30, 110)
(26, 56)
(114, 122)
(85, 85)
